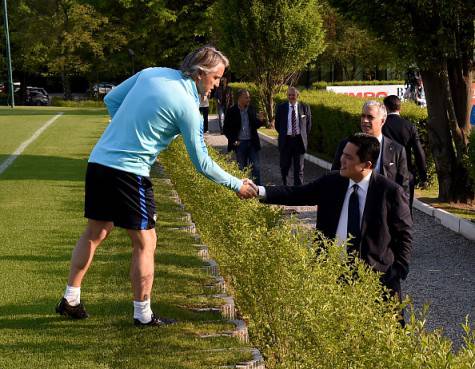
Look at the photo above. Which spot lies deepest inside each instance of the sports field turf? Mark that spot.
(41, 217)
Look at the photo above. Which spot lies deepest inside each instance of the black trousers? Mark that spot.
(393, 284)
(412, 184)
(292, 154)
(204, 112)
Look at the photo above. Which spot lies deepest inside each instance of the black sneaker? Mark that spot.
(155, 322)
(75, 312)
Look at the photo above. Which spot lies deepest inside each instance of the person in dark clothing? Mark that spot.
(240, 128)
(403, 132)
(293, 121)
(224, 100)
(359, 202)
(392, 161)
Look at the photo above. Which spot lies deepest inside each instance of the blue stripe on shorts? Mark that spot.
(143, 207)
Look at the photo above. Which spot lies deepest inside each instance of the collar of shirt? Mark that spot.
(243, 110)
(363, 184)
(341, 231)
(394, 113)
(194, 89)
(296, 106)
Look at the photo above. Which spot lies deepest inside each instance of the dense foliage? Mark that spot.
(268, 42)
(102, 39)
(306, 309)
(438, 36)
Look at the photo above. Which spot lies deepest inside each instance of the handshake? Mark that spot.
(248, 190)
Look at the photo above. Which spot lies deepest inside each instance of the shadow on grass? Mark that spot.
(6, 112)
(55, 168)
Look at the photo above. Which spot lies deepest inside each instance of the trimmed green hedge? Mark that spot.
(305, 309)
(336, 116)
(58, 101)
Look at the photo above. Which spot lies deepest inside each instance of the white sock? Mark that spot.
(142, 311)
(73, 295)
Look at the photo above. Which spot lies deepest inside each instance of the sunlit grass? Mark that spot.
(41, 217)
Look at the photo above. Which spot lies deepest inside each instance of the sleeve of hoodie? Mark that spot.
(191, 128)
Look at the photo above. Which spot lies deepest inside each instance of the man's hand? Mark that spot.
(248, 190)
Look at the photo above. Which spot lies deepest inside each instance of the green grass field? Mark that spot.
(41, 205)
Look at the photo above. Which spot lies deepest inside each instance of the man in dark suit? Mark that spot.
(293, 121)
(403, 132)
(240, 128)
(358, 201)
(391, 161)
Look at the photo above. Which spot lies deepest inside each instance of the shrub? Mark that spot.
(58, 101)
(336, 116)
(305, 309)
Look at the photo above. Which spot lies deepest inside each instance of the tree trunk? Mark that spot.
(66, 86)
(448, 136)
(267, 97)
(338, 71)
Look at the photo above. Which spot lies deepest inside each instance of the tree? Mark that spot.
(439, 36)
(268, 41)
(158, 32)
(351, 48)
(61, 37)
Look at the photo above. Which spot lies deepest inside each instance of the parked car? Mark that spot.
(100, 89)
(38, 89)
(4, 87)
(36, 98)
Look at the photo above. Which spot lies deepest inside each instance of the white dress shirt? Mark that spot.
(377, 167)
(341, 231)
(289, 119)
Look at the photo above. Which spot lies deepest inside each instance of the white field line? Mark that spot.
(25, 144)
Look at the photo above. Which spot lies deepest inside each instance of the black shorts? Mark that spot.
(120, 197)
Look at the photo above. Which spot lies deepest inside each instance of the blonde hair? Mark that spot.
(204, 60)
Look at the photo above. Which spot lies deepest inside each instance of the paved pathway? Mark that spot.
(443, 263)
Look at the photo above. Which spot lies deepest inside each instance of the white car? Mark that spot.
(102, 88)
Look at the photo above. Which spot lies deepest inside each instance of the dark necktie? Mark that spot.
(293, 120)
(353, 226)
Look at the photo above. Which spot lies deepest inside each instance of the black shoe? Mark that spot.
(75, 312)
(155, 322)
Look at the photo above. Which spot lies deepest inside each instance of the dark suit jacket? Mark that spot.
(232, 126)
(386, 231)
(404, 133)
(304, 120)
(394, 162)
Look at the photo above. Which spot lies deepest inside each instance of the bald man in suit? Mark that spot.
(392, 162)
(293, 121)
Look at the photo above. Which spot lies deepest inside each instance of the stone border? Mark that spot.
(446, 219)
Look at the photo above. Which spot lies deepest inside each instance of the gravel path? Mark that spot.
(443, 262)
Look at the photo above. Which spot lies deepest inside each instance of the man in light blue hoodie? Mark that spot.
(148, 110)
